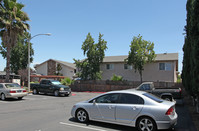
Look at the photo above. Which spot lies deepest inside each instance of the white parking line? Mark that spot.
(81, 126)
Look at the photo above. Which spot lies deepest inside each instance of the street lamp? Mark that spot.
(29, 57)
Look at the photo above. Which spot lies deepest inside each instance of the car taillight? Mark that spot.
(180, 90)
(170, 111)
(12, 91)
(24, 90)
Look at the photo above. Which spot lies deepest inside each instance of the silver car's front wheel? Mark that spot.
(82, 116)
(146, 124)
(3, 97)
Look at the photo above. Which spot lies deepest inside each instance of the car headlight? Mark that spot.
(61, 89)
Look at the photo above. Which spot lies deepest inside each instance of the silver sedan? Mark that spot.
(128, 107)
(11, 90)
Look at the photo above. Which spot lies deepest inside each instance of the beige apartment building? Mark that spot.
(163, 69)
(49, 68)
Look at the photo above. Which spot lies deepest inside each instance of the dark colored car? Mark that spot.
(51, 86)
(165, 93)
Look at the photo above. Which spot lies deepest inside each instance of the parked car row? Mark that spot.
(14, 90)
(131, 107)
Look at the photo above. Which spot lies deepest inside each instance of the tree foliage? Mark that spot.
(19, 53)
(141, 52)
(116, 77)
(13, 21)
(90, 67)
(66, 81)
(190, 77)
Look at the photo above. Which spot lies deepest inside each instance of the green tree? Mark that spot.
(19, 54)
(90, 67)
(116, 77)
(190, 77)
(141, 52)
(13, 21)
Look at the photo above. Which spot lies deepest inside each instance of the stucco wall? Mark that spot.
(151, 72)
(67, 71)
(42, 69)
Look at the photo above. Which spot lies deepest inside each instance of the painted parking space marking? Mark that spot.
(85, 127)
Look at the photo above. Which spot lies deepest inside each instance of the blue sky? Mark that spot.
(69, 21)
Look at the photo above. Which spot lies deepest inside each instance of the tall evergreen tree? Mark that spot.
(190, 77)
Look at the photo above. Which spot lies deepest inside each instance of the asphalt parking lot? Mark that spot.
(49, 113)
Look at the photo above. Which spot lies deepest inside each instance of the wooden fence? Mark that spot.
(104, 86)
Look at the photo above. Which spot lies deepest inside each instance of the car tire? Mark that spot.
(35, 91)
(20, 98)
(81, 116)
(56, 93)
(146, 124)
(3, 97)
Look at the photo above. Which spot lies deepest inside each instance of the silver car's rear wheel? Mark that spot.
(3, 97)
(82, 115)
(146, 124)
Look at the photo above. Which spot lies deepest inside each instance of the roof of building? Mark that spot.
(58, 61)
(4, 73)
(66, 63)
(159, 57)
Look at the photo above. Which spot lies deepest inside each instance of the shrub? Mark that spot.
(116, 78)
(66, 81)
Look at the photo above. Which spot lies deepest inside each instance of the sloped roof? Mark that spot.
(159, 57)
(66, 63)
(58, 61)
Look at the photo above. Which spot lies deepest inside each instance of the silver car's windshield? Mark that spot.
(56, 83)
(12, 85)
(155, 98)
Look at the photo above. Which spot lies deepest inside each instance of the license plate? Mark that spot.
(19, 91)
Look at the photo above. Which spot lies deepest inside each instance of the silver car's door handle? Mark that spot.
(134, 108)
(110, 107)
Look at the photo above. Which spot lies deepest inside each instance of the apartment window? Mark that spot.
(128, 67)
(109, 66)
(165, 66)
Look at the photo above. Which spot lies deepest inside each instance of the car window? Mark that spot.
(12, 85)
(152, 97)
(145, 87)
(1, 86)
(56, 82)
(108, 98)
(130, 99)
(44, 82)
